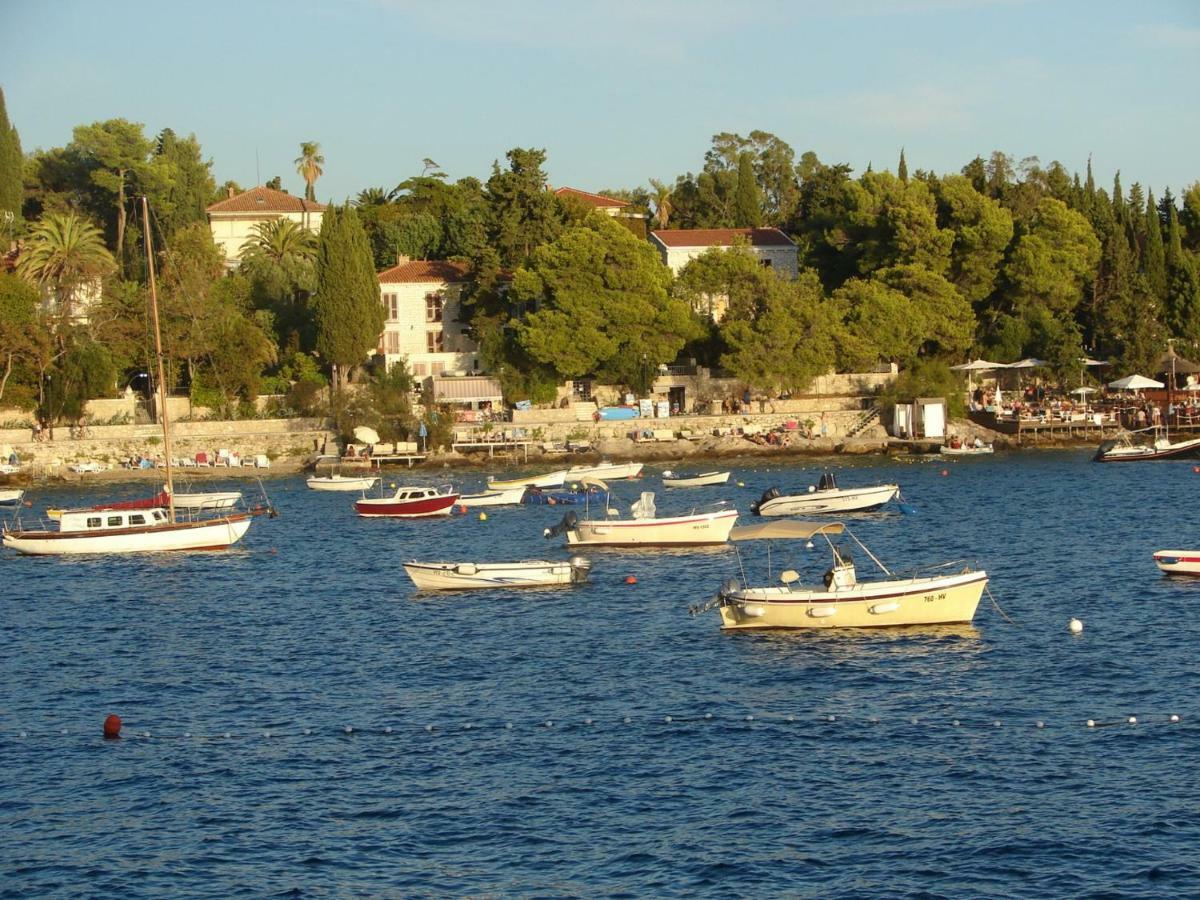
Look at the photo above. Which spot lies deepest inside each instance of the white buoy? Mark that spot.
(308, 731)
(1041, 724)
(1174, 717)
(749, 718)
(1132, 720)
(349, 730)
(467, 727)
(388, 730)
(266, 734)
(429, 728)
(508, 726)
(955, 723)
(831, 718)
(187, 734)
(809, 545)
(587, 721)
(1091, 723)
(1075, 626)
(667, 719)
(628, 720)
(709, 715)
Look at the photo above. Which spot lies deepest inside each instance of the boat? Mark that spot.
(1126, 447)
(151, 529)
(208, 500)
(507, 497)
(644, 528)
(703, 479)
(943, 594)
(958, 448)
(10, 496)
(339, 482)
(539, 497)
(1178, 562)
(824, 497)
(449, 576)
(409, 503)
(606, 471)
(545, 480)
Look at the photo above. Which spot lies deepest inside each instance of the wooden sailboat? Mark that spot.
(135, 530)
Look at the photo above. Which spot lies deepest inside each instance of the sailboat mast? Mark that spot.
(158, 352)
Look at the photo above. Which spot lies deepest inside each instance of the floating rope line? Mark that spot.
(447, 728)
(996, 604)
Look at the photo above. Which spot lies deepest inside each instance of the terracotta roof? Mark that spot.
(721, 237)
(264, 199)
(422, 270)
(597, 200)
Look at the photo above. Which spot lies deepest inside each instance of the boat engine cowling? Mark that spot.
(580, 568)
(568, 522)
(769, 494)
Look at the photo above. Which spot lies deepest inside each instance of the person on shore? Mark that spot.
(37, 431)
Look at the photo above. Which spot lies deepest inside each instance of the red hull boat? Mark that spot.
(409, 503)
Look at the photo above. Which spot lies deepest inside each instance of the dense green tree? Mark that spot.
(24, 341)
(881, 323)
(62, 256)
(1154, 254)
(902, 167)
(945, 318)
(12, 188)
(83, 372)
(1189, 216)
(186, 181)
(279, 259)
(522, 214)
(982, 231)
(1051, 264)
(309, 166)
(600, 305)
(117, 155)
(747, 212)
(348, 315)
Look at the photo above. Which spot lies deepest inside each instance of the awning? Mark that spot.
(785, 529)
(468, 389)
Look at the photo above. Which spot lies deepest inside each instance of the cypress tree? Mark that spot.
(346, 308)
(1174, 251)
(1118, 199)
(1154, 262)
(11, 162)
(902, 168)
(747, 207)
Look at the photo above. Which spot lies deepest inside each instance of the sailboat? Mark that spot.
(132, 530)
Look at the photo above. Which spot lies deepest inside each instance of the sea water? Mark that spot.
(298, 721)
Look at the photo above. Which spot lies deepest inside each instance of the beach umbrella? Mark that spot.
(979, 365)
(1028, 363)
(1084, 390)
(366, 435)
(1134, 383)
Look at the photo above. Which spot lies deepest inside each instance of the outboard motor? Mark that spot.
(580, 568)
(1103, 449)
(768, 494)
(568, 522)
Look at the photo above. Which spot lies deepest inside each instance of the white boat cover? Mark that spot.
(784, 529)
(644, 508)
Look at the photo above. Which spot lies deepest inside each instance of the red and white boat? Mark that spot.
(410, 503)
(1178, 562)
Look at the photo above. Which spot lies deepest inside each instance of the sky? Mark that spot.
(616, 92)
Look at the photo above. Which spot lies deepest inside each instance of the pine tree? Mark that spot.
(1154, 263)
(11, 162)
(1174, 250)
(347, 312)
(902, 168)
(747, 207)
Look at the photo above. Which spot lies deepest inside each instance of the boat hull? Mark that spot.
(965, 451)
(605, 471)
(208, 500)
(548, 479)
(911, 601)
(208, 534)
(448, 576)
(678, 531)
(341, 482)
(838, 500)
(701, 480)
(406, 509)
(1158, 450)
(506, 497)
(1178, 562)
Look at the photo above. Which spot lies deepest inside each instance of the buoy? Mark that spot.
(392, 484)
(809, 545)
(1132, 720)
(1075, 626)
(1091, 723)
(112, 727)
(1196, 468)
(945, 472)
(462, 508)
(741, 484)
(631, 579)
(483, 517)
(1174, 717)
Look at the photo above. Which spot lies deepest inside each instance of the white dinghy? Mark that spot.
(449, 576)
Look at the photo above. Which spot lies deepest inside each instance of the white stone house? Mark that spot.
(770, 246)
(422, 301)
(232, 220)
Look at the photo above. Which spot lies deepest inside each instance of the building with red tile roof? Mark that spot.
(232, 220)
(422, 301)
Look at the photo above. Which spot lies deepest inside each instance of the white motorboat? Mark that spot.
(824, 497)
(208, 500)
(931, 597)
(507, 497)
(703, 479)
(339, 482)
(132, 530)
(545, 480)
(1126, 448)
(644, 528)
(10, 496)
(449, 576)
(606, 471)
(979, 449)
(1178, 562)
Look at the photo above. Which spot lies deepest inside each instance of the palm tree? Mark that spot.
(308, 164)
(662, 202)
(280, 258)
(63, 254)
(375, 196)
(280, 240)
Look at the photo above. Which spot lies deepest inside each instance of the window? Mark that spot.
(437, 368)
(391, 304)
(391, 342)
(137, 520)
(433, 306)
(93, 522)
(765, 263)
(114, 521)
(435, 342)
(418, 370)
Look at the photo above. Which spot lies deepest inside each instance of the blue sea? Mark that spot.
(299, 722)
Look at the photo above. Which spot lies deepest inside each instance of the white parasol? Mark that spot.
(1134, 383)
(366, 435)
(979, 365)
(1028, 363)
(1084, 390)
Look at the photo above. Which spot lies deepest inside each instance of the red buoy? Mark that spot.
(945, 472)
(462, 508)
(112, 727)
(631, 579)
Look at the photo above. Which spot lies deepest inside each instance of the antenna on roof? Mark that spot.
(257, 174)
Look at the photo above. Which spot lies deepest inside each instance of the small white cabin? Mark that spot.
(109, 519)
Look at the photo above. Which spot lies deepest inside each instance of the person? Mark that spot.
(13, 459)
(37, 431)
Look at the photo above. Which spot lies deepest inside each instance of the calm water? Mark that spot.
(850, 779)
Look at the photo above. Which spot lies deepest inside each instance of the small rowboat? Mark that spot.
(506, 497)
(342, 482)
(448, 576)
(547, 479)
(608, 471)
(1178, 562)
(965, 450)
(673, 479)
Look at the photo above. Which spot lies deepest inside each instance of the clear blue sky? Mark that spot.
(617, 91)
